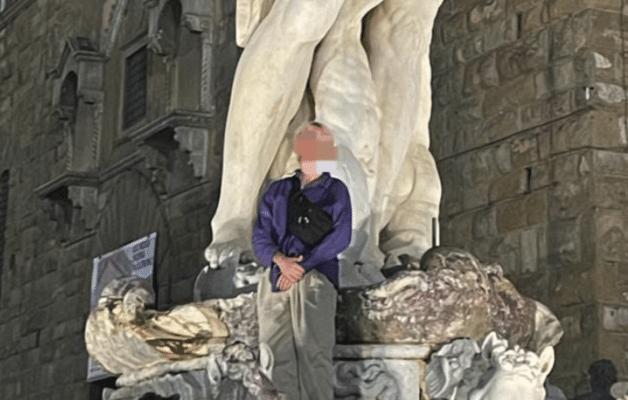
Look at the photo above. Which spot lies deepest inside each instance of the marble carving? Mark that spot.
(362, 91)
(123, 336)
(217, 336)
(452, 296)
(369, 379)
(455, 296)
(493, 371)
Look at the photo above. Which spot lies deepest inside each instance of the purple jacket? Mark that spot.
(271, 233)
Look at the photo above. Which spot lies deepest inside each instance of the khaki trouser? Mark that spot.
(298, 326)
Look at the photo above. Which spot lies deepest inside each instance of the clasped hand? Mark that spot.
(291, 270)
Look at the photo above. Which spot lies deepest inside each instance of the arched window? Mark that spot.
(4, 208)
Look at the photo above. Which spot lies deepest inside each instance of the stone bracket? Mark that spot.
(72, 200)
(190, 133)
(196, 142)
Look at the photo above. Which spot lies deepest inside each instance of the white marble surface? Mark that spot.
(381, 351)
(459, 371)
(377, 101)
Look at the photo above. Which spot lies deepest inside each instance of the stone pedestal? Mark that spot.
(189, 385)
(366, 371)
(374, 371)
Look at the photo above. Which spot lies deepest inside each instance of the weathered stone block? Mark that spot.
(501, 33)
(508, 95)
(508, 186)
(506, 251)
(485, 223)
(539, 176)
(529, 251)
(610, 162)
(486, 12)
(611, 232)
(502, 156)
(563, 8)
(611, 193)
(462, 229)
(523, 211)
(564, 243)
(611, 284)
(28, 342)
(570, 167)
(598, 20)
(469, 49)
(511, 216)
(571, 325)
(569, 199)
(37, 319)
(531, 54)
(614, 346)
(524, 151)
(609, 93)
(615, 318)
(501, 125)
(454, 28)
(533, 18)
(441, 58)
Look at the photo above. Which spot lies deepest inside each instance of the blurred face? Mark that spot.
(313, 145)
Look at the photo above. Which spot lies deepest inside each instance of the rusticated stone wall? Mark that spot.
(528, 129)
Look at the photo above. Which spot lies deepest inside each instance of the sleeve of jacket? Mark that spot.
(340, 237)
(264, 236)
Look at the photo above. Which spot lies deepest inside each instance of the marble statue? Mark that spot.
(213, 345)
(463, 370)
(454, 296)
(367, 379)
(123, 336)
(143, 346)
(303, 60)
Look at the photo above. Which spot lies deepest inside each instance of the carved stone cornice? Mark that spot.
(172, 120)
(67, 179)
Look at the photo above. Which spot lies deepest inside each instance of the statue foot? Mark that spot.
(229, 253)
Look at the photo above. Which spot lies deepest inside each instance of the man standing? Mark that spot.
(304, 222)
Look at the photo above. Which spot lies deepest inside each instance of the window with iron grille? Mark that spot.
(4, 205)
(135, 87)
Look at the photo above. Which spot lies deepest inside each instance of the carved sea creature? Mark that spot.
(493, 371)
(454, 296)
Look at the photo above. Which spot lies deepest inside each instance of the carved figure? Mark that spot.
(455, 296)
(492, 371)
(123, 336)
(447, 368)
(378, 112)
(219, 336)
(367, 379)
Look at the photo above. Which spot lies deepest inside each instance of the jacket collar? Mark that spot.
(321, 179)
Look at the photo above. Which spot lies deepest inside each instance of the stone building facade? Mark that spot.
(111, 123)
(529, 130)
(111, 126)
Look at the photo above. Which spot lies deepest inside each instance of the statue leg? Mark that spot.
(345, 101)
(398, 36)
(415, 205)
(268, 87)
